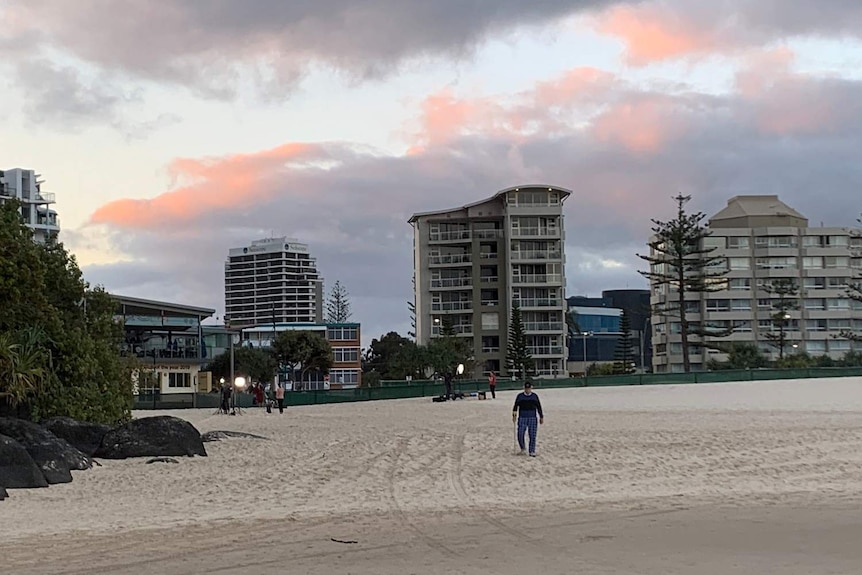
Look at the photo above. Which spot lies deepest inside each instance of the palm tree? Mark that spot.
(25, 366)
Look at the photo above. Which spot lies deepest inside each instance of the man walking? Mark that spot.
(527, 406)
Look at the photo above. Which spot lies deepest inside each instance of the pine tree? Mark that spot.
(786, 291)
(338, 306)
(519, 360)
(678, 259)
(854, 288)
(624, 356)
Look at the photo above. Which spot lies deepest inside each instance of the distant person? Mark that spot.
(527, 406)
(225, 398)
(279, 397)
(492, 384)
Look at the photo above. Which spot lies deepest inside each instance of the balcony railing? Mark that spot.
(451, 283)
(490, 349)
(458, 329)
(489, 279)
(450, 259)
(490, 302)
(452, 306)
(554, 326)
(537, 279)
(536, 232)
(487, 234)
(538, 302)
(458, 235)
(546, 350)
(537, 255)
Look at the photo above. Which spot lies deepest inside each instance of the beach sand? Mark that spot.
(752, 477)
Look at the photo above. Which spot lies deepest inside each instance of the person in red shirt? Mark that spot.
(492, 383)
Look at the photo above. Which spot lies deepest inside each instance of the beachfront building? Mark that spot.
(166, 338)
(761, 239)
(474, 262)
(273, 280)
(344, 338)
(26, 187)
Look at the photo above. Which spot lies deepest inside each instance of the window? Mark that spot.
(815, 346)
(737, 243)
(815, 283)
(838, 304)
(764, 304)
(742, 326)
(717, 305)
(833, 262)
(815, 304)
(345, 354)
(491, 321)
(675, 348)
(740, 263)
(740, 284)
(839, 345)
(344, 376)
(740, 304)
(775, 241)
(713, 242)
(661, 349)
(776, 263)
(836, 283)
(179, 380)
(815, 325)
(812, 263)
(765, 324)
(342, 334)
(839, 241)
(839, 324)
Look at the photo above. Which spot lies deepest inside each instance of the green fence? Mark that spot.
(413, 389)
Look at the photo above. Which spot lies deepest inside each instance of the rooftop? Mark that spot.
(741, 208)
(162, 306)
(566, 193)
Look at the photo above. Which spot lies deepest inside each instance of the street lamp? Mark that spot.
(239, 385)
(460, 369)
(585, 335)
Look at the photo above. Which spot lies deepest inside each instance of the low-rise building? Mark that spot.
(344, 338)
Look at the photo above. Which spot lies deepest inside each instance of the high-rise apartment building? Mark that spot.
(472, 263)
(26, 187)
(761, 239)
(271, 281)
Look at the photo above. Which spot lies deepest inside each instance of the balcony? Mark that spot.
(490, 302)
(537, 302)
(489, 256)
(538, 279)
(450, 259)
(451, 283)
(490, 349)
(535, 232)
(452, 306)
(546, 350)
(456, 236)
(43, 198)
(487, 234)
(464, 329)
(544, 326)
(528, 255)
(489, 279)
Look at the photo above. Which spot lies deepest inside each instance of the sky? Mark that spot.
(172, 130)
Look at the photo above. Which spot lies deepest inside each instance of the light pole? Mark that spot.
(647, 322)
(585, 335)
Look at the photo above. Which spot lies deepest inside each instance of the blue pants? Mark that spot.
(530, 424)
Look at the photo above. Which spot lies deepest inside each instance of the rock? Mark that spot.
(85, 437)
(219, 435)
(162, 435)
(3, 493)
(162, 460)
(17, 468)
(54, 456)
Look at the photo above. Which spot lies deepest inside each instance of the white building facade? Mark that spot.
(271, 281)
(26, 187)
(760, 239)
(473, 263)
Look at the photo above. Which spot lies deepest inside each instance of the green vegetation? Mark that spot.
(59, 342)
(257, 364)
(624, 355)
(302, 351)
(519, 360)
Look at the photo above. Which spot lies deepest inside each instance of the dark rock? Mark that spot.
(3, 493)
(219, 435)
(162, 435)
(162, 460)
(83, 436)
(17, 468)
(54, 456)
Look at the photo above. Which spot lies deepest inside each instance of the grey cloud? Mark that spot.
(205, 44)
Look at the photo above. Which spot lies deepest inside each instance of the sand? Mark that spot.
(752, 477)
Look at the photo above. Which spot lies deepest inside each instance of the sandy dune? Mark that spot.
(690, 477)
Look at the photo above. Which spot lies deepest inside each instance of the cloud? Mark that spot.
(660, 30)
(624, 150)
(208, 46)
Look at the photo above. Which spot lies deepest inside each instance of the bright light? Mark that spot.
(460, 368)
(239, 382)
(221, 381)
